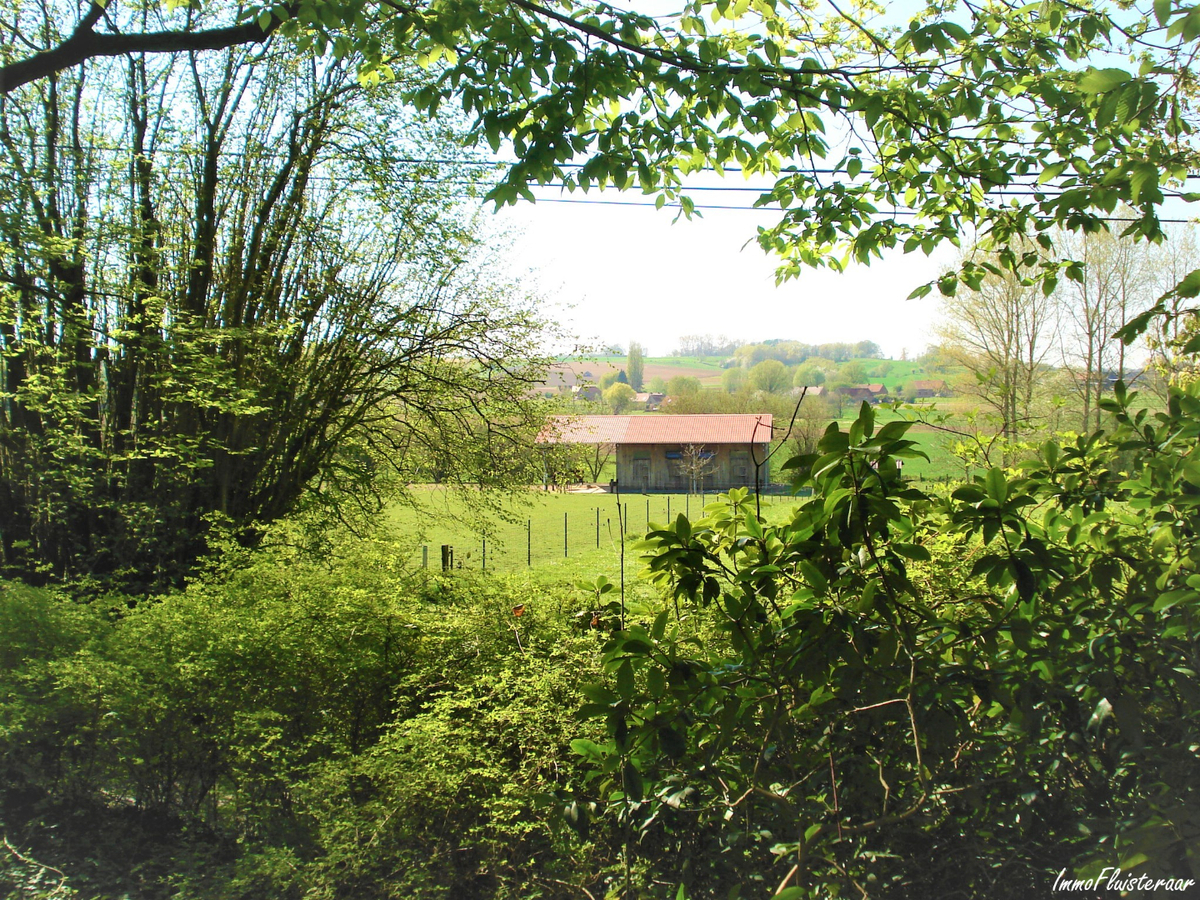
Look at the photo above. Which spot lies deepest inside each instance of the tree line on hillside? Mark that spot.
(768, 377)
(788, 352)
(795, 352)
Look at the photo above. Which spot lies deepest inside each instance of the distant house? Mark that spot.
(812, 390)
(589, 392)
(1130, 376)
(1108, 380)
(872, 393)
(925, 389)
(654, 453)
(650, 400)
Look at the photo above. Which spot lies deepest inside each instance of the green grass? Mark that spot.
(942, 464)
(535, 536)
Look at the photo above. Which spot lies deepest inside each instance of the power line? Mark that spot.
(510, 163)
(1014, 191)
(772, 209)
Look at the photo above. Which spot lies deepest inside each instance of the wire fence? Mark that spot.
(548, 536)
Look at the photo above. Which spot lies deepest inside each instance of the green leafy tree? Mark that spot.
(981, 103)
(733, 380)
(635, 365)
(684, 386)
(853, 372)
(808, 375)
(771, 376)
(619, 396)
(275, 324)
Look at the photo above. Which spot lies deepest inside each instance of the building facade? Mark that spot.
(674, 453)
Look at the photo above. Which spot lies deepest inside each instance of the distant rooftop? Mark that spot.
(740, 429)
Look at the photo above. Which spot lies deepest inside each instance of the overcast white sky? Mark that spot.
(630, 274)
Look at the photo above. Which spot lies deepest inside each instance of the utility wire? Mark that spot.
(496, 164)
(702, 206)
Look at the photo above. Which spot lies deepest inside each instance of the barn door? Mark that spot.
(739, 464)
(641, 474)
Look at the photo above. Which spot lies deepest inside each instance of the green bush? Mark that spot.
(915, 696)
(285, 708)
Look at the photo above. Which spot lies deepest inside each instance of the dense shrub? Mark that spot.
(891, 694)
(918, 696)
(330, 729)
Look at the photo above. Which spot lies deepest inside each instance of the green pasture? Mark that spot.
(572, 534)
(942, 464)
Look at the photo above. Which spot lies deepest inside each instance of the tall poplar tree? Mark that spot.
(635, 366)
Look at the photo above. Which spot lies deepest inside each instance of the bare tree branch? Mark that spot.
(85, 43)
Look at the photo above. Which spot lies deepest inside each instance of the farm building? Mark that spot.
(873, 393)
(673, 453)
(650, 400)
(926, 389)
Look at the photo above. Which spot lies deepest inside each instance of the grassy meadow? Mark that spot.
(569, 534)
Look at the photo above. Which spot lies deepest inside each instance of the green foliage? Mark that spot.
(683, 386)
(770, 376)
(733, 380)
(350, 730)
(808, 375)
(852, 372)
(908, 695)
(619, 396)
(1000, 120)
(636, 365)
(219, 330)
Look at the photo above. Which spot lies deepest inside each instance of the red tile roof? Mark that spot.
(584, 430)
(742, 429)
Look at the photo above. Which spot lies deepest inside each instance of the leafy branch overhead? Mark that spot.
(872, 134)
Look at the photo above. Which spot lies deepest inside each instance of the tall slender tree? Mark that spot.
(1112, 283)
(635, 366)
